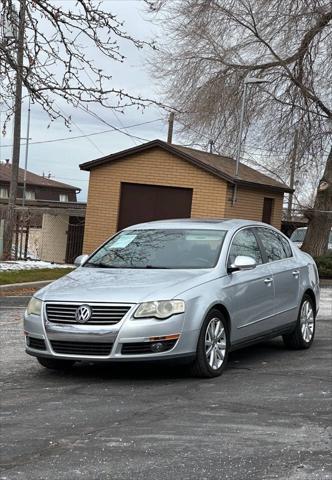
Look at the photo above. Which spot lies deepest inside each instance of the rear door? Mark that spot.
(249, 293)
(286, 274)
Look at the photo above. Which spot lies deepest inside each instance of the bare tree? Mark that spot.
(69, 49)
(320, 215)
(58, 51)
(214, 45)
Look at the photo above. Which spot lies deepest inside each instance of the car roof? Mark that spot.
(303, 228)
(198, 223)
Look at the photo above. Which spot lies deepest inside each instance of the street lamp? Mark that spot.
(249, 80)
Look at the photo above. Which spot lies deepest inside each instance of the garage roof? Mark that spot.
(223, 167)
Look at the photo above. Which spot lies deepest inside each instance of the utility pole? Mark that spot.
(170, 127)
(292, 174)
(10, 216)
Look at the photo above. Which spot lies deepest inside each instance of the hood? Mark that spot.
(123, 285)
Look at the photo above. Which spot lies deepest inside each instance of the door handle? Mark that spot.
(268, 280)
(295, 273)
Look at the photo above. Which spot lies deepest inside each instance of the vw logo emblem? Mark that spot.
(83, 314)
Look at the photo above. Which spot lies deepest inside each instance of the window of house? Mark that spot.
(63, 197)
(3, 192)
(245, 243)
(272, 244)
(30, 195)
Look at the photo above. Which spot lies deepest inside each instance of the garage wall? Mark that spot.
(249, 205)
(155, 167)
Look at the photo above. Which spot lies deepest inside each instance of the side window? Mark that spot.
(245, 243)
(272, 244)
(286, 246)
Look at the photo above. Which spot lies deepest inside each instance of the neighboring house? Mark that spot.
(158, 180)
(51, 224)
(37, 187)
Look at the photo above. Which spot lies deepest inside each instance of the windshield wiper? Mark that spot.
(154, 267)
(100, 265)
(104, 265)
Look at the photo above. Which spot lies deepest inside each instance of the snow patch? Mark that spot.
(30, 265)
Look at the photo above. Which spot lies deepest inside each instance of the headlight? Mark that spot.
(34, 306)
(160, 309)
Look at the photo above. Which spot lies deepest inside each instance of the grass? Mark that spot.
(21, 276)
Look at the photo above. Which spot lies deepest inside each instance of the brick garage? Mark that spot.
(209, 177)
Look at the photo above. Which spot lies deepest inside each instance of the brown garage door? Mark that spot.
(143, 203)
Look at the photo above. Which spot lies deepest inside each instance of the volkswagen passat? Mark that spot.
(190, 290)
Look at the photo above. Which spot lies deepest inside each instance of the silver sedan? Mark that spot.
(189, 290)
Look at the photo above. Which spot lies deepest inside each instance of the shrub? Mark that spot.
(324, 265)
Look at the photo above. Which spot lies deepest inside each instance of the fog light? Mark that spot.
(157, 347)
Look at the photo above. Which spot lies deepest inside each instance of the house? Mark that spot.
(49, 223)
(37, 187)
(158, 180)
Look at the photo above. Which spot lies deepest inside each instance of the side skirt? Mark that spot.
(275, 332)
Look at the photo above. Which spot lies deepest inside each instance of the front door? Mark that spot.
(267, 210)
(249, 294)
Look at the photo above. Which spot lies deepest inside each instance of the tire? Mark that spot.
(208, 365)
(55, 364)
(303, 334)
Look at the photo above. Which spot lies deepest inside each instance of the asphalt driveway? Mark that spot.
(265, 418)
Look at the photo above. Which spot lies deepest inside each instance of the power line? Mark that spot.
(132, 138)
(88, 135)
(123, 127)
(80, 130)
(95, 115)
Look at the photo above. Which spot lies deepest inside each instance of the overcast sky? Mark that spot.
(62, 158)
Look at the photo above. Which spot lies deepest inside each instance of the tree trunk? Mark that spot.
(320, 217)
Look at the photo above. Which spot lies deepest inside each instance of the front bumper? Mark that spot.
(109, 342)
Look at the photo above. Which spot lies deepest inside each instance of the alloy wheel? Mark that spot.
(307, 321)
(215, 343)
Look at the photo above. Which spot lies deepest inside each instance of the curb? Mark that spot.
(18, 301)
(19, 286)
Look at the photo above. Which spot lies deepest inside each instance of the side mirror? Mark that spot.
(242, 262)
(80, 260)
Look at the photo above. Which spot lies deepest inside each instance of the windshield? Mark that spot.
(298, 235)
(160, 249)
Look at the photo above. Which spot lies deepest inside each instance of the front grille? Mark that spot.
(81, 348)
(101, 314)
(147, 347)
(36, 343)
